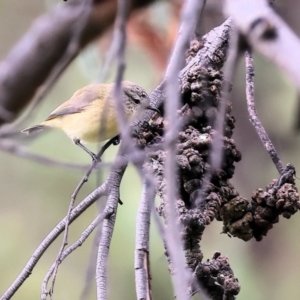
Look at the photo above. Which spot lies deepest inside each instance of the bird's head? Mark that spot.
(135, 99)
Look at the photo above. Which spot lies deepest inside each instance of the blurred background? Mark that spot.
(35, 197)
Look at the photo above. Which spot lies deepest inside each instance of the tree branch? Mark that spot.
(50, 238)
(43, 46)
(190, 16)
(15, 148)
(142, 260)
(268, 34)
(200, 91)
(53, 272)
(114, 181)
(253, 114)
(85, 234)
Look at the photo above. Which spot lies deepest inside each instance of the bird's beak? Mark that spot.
(153, 108)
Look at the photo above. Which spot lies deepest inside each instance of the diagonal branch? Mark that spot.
(253, 114)
(67, 222)
(50, 238)
(85, 234)
(267, 33)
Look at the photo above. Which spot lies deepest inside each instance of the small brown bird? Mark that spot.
(90, 115)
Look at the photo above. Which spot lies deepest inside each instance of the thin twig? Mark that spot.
(190, 15)
(253, 114)
(116, 49)
(68, 216)
(120, 37)
(136, 158)
(50, 238)
(91, 268)
(85, 234)
(121, 161)
(15, 148)
(116, 174)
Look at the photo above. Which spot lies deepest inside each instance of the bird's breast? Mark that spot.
(96, 123)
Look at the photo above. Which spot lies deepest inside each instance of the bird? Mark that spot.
(90, 115)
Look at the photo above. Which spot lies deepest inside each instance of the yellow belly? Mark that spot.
(89, 126)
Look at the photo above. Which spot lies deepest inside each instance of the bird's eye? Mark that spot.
(144, 94)
(136, 101)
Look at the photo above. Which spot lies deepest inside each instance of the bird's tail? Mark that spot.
(32, 129)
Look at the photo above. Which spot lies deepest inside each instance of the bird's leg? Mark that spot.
(114, 141)
(93, 155)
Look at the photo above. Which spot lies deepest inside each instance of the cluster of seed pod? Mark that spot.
(202, 198)
(256, 218)
(218, 277)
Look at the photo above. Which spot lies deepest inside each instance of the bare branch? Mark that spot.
(190, 16)
(91, 267)
(15, 148)
(267, 33)
(253, 114)
(114, 181)
(68, 218)
(120, 37)
(85, 234)
(213, 52)
(53, 32)
(116, 175)
(142, 260)
(50, 238)
(71, 51)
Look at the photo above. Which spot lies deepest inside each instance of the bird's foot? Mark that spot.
(116, 140)
(95, 157)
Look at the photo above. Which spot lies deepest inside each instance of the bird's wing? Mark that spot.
(66, 108)
(78, 102)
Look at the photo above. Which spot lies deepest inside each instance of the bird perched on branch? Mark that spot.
(90, 115)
